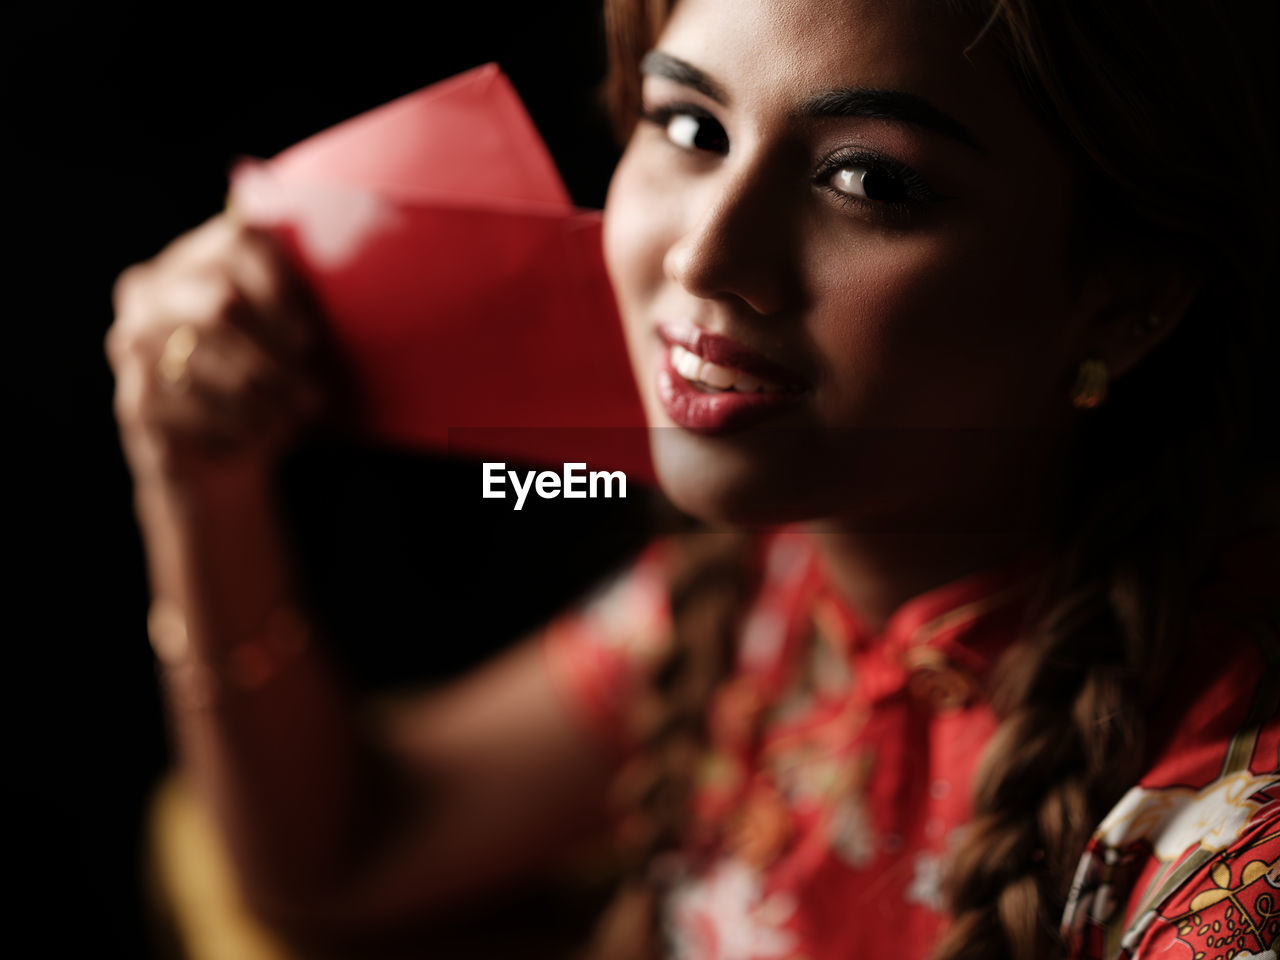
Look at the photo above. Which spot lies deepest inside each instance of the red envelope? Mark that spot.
(466, 292)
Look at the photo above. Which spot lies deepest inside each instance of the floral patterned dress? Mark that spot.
(841, 762)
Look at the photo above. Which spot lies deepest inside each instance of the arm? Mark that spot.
(337, 825)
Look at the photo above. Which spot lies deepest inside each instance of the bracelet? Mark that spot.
(248, 666)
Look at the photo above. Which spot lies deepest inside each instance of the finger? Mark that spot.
(151, 302)
(262, 273)
(271, 286)
(228, 286)
(204, 244)
(165, 411)
(234, 371)
(212, 302)
(196, 330)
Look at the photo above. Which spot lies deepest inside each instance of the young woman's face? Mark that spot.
(838, 244)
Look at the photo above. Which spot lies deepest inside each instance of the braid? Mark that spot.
(711, 582)
(1043, 783)
(1072, 697)
(1170, 465)
(1178, 449)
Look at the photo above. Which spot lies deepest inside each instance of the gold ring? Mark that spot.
(175, 356)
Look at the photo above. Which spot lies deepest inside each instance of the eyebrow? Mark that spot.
(887, 105)
(659, 64)
(851, 102)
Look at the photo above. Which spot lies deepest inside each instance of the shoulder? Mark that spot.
(598, 652)
(601, 653)
(628, 610)
(1218, 898)
(1191, 854)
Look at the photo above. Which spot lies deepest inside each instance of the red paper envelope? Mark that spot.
(466, 292)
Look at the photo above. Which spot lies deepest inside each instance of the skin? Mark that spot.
(945, 314)
(939, 338)
(341, 825)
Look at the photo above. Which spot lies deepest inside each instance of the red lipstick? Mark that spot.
(729, 353)
(703, 410)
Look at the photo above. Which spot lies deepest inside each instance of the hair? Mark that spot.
(1166, 137)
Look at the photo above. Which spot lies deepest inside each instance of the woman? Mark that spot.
(880, 266)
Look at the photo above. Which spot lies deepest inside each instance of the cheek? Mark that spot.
(634, 231)
(954, 327)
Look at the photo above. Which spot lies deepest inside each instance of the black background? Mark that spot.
(121, 122)
(124, 118)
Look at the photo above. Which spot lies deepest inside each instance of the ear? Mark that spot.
(1135, 307)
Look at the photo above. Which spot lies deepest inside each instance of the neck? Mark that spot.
(986, 519)
(877, 574)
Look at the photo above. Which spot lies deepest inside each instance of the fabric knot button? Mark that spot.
(937, 681)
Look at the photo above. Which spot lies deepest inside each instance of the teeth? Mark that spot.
(687, 364)
(692, 367)
(722, 378)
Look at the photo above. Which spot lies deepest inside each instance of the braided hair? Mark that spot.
(1179, 441)
(1154, 475)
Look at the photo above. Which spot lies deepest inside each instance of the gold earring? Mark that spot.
(1090, 388)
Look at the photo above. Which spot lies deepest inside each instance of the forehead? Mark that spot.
(771, 54)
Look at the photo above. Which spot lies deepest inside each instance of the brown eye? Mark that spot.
(868, 180)
(868, 183)
(690, 129)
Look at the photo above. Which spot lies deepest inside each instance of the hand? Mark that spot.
(216, 352)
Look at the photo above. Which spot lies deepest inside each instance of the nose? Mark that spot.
(739, 240)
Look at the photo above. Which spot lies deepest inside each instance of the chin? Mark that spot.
(719, 482)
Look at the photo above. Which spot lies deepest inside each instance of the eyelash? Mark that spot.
(661, 117)
(915, 190)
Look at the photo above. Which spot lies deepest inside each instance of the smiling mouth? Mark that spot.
(711, 384)
(718, 363)
(714, 378)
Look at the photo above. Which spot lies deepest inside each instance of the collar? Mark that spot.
(951, 634)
